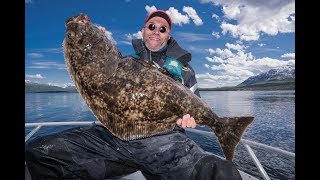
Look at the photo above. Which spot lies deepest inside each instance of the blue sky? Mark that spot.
(229, 40)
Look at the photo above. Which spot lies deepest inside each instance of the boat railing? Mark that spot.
(247, 143)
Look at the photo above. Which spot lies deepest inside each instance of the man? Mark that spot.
(158, 48)
(95, 153)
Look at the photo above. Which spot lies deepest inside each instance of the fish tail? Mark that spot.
(229, 131)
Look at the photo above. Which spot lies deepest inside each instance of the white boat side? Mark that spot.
(138, 175)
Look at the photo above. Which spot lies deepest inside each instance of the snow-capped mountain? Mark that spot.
(283, 74)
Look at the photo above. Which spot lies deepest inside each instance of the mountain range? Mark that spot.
(33, 87)
(281, 78)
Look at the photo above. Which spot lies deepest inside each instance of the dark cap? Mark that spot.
(160, 13)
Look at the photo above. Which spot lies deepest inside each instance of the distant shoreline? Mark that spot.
(270, 86)
(244, 89)
(203, 90)
(53, 92)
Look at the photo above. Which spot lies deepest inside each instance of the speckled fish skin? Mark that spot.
(133, 99)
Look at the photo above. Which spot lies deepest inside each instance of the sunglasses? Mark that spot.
(152, 27)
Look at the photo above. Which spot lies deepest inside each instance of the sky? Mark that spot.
(229, 40)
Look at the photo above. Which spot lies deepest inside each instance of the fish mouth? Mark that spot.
(79, 18)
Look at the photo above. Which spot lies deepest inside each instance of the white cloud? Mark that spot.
(255, 17)
(233, 65)
(47, 65)
(215, 59)
(206, 1)
(191, 37)
(231, 12)
(126, 43)
(193, 15)
(208, 80)
(223, 53)
(289, 55)
(150, 9)
(39, 52)
(215, 16)
(178, 18)
(137, 35)
(194, 48)
(235, 46)
(129, 37)
(261, 44)
(236, 72)
(36, 76)
(63, 85)
(109, 36)
(35, 55)
(244, 32)
(107, 33)
(215, 34)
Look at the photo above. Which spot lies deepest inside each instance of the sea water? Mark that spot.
(273, 111)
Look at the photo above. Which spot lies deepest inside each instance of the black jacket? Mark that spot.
(172, 50)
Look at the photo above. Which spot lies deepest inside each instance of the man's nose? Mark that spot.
(156, 31)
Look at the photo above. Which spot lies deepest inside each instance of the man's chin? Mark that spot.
(153, 48)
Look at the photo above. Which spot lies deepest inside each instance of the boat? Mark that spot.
(139, 176)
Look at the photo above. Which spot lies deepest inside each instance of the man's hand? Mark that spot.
(187, 121)
(102, 29)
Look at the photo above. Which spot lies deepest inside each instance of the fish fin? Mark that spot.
(229, 132)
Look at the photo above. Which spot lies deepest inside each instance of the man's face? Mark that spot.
(157, 38)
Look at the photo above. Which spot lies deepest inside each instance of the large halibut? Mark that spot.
(133, 99)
